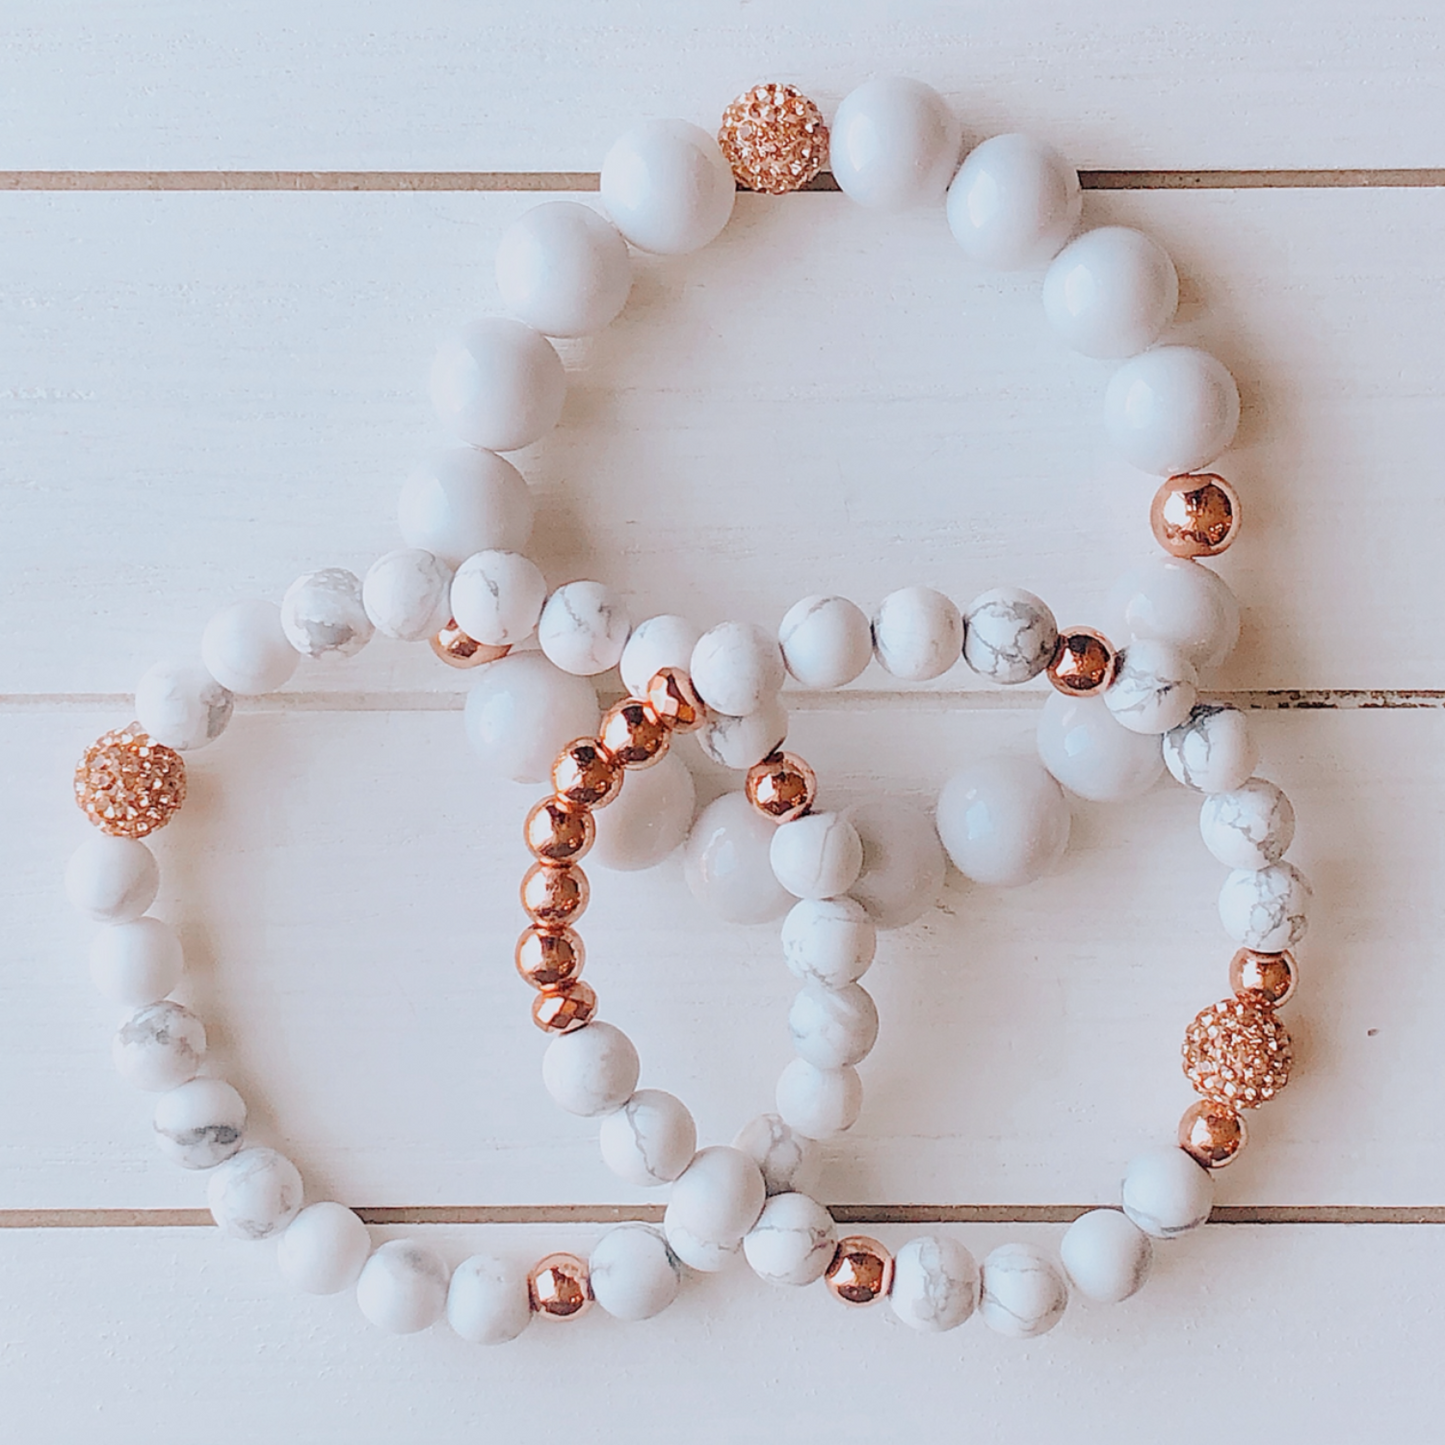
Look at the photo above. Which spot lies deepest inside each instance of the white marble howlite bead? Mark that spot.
(583, 628)
(1111, 293)
(136, 962)
(1251, 826)
(254, 1194)
(406, 594)
(709, 1256)
(1013, 203)
(487, 1300)
(1004, 821)
(826, 641)
(1166, 1193)
(650, 1140)
(200, 1123)
(903, 861)
(563, 270)
(739, 742)
(463, 500)
(1213, 750)
(522, 712)
(159, 1046)
(917, 634)
(181, 705)
(112, 880)
(719, 1196)
(322, 614)
(668, 187)
(1009, 635)
(497, 384)
(323, 1250)
(663, 641)
(736, 667)
(1022, 1292)
(1173, 409)
(816, 856)
(727, 866)
(793, 1241)
(1106, 1255)
(894, 144)
(1175, 600)
(244, 648)
(403, 1287)
(831, 1027)
(648, 820)
(1154, 687)
(1265, 909)
(632, 1273)
(787, 1160)
(592, 1070)
(935, 1284)
(1083, 746)
(830, 941)
(819, 1103)
(497, 597)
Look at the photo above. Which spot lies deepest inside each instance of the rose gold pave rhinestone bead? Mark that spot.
(782, 787)
(550, 957)
(560, 1010)
(558, 833)
(1195, 516)
(1212, 1134)
(456, 649)
(633, 733)
(1083, 664)
(774, 139)
(555, 895)
(559, 1287)
(1237, 1053)
(129, 786)
(675, 700)
(861, 1271)
(1268, 977)
(586, 775)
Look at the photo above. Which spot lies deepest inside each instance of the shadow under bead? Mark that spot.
(128, 785)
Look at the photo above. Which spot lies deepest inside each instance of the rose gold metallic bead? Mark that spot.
(1268, 977)
(1237, 1053)
(1212, 1134)
(559, 1287)
(861, 1272)
(1083, 664)
(560, 1010)
(633, 733)
(558, 833)
(586, 774)
(675, 700)
(1195, 516)
(550, 957)
(782, 787)
(555, 894)
(456, 649)
(129, 786)
(774, 139)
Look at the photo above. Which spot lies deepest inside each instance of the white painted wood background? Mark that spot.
(203, 393)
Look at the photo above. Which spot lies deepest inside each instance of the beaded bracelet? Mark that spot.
(463, 583)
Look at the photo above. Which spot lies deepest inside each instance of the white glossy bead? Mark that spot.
(463, 500)
(487, 1300)
(793, 1241)
(497, 597)
(632, 1273)
(903, 861)
(522, 712)
(1083, 746)
(403, 1287)
(583, 628)
(894, 144)
(1265, 909)
(406, 594)
(1013, 203)
(935, 1284)
(718, 1197)
(181, 705)
(1213, 750)
(1173, 409)
(497, 384)
(668, 187)
(727, 866)
(917, 634)
(1106, 1255)
(1004, 821)
(831, 1027)
(200, 1123)
(1167, 1193)
(323, 1250)
(112, 880)
(136, 962)
(826, 641)
(1251, 826)
(648, 820)
(159, 1046)
(255, 1194)
(663, 641)
(739, 742)
(650, 1140)
(819, 1103)
(244, 648)
(736, 667)
(1171, 599)
(1022, 1292)
(592, 1070)
(1111, 293)
(563, 270)
(322, 614)
(1154, 687)
(830, 941)
(816, 856)
(787, 1160)
(1009, 635)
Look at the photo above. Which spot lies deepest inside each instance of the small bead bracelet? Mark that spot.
(463, 583)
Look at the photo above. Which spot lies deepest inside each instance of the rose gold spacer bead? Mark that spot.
(633, 733)
(1237, 1053)
(559, 833)
(1212, 1134)
(560, 1010)
(456, 649)
(555, 894)
(1083, 663)
(586, 775)
(782, 787)
(1268, 977)
(559, 1287)
(550, 957)
(774, 139)
(1195, 515)
(675, 700)
(861, 1271)
(128, 785)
